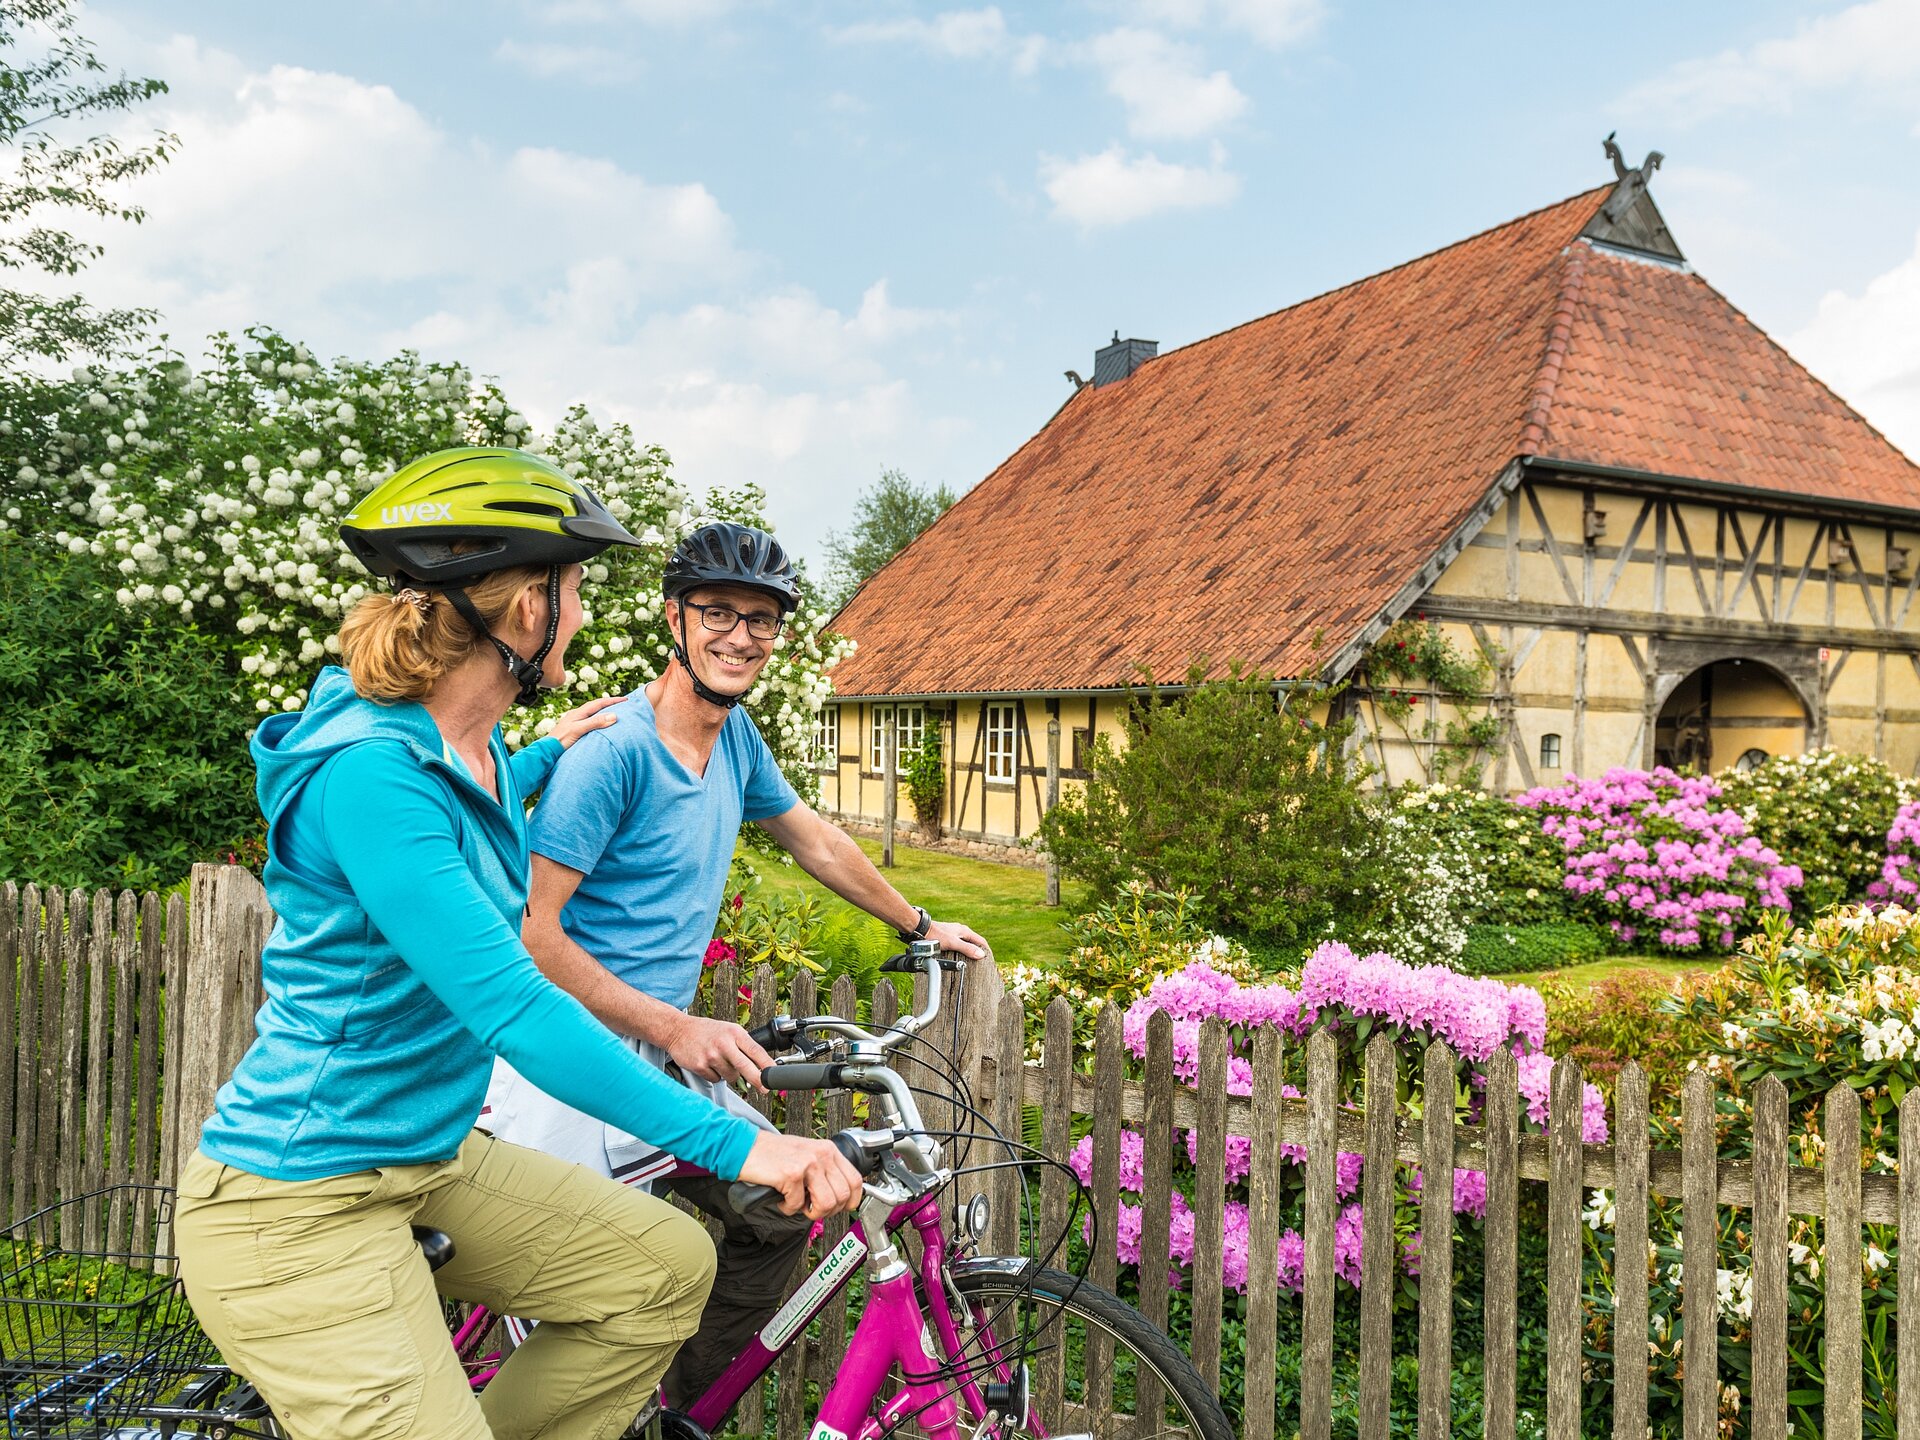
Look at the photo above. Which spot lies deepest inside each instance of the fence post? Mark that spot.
(889, 789)
(1053, 797)
(221, 974)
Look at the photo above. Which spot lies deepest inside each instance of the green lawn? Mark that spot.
(1005, 903)
(1616, 964)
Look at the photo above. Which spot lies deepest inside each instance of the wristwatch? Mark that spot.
(919, 932)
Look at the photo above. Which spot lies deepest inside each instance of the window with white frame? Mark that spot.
(911, 723)
(1000, 737)
(826, 738)
(1550, 751)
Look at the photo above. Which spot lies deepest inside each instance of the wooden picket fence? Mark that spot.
(123, 1014)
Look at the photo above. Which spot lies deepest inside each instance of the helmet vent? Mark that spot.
(527, 507)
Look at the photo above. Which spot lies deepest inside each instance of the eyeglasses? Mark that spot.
(722, 618)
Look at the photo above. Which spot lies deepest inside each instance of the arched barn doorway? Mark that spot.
(1732, 713)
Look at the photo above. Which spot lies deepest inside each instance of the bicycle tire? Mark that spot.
(1065, 1311)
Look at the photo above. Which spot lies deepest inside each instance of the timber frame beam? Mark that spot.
(1680, 627)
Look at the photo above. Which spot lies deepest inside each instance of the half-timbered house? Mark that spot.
(1554, 439)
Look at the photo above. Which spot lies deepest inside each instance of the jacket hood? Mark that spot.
(289, 748)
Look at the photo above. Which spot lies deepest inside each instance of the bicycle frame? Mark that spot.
(894, 1329)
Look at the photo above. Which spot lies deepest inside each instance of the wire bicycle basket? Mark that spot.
(93, 1333)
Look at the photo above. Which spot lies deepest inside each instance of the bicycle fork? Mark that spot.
(894, 1330)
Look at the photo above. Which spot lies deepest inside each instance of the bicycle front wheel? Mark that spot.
(1099, 1367)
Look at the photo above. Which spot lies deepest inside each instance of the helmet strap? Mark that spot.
(700, 687)
(529, 673)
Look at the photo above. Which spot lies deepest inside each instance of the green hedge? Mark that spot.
(126, 748)
(1510, 949)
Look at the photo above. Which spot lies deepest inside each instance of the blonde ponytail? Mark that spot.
(399, 646)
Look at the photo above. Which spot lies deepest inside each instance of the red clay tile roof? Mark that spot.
(1262, 494)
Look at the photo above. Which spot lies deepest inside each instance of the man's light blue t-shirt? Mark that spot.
(653, 841)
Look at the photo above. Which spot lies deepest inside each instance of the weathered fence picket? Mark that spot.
(1377, 1255)
(1699, 1261)
(93, 1092)
(1263, 1231)
(1630, 1238)
(79, 1062)
(1436, 1248)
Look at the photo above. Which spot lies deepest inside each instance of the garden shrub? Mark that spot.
(126, 752)
(1511, 949)
(1522, 868)
(1827, 811)
(1423, 913)
(1233, 792)
(1660, 860)
(1606, 1023)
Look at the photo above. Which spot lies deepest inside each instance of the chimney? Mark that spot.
(1121, 358)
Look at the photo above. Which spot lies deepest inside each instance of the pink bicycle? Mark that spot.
(947, 1340)
(947, 1344)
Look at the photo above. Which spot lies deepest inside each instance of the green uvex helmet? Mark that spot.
(517, 508)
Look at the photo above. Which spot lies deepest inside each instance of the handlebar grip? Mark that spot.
(802, 1077)
(743, 1197)
(777, 1036)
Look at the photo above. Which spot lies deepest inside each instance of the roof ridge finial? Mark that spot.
(1629, 217)
(1634, 180)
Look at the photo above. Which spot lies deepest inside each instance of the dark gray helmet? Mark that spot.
(724, 553)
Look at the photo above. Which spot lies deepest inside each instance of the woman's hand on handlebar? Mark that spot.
(811, 1175)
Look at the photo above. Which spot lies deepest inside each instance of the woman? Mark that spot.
(397, 867)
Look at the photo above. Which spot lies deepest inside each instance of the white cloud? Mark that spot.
(1162, 85)
(1273, 23)
(1867, 346)
(957, 34)
(1875, 45)
(336, 211)
(1113, 188)
(545, 60)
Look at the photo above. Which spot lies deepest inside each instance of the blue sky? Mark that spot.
(797, 242)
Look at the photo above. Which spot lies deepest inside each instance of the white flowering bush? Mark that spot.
(1520, 868)
(217, 496)
(1438, 892)
(1826, 811)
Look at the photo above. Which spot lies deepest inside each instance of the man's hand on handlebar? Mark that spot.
(811, 1175)
(718, 1050)
(958, 938)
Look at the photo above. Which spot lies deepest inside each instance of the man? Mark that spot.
(631, 843)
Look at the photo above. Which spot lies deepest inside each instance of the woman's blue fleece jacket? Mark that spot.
(395, 971)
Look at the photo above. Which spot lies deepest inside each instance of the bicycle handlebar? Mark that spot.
(865, 1150)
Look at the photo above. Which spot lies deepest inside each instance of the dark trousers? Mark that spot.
(757, 1255)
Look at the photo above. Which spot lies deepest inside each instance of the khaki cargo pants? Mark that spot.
(316, 1291)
